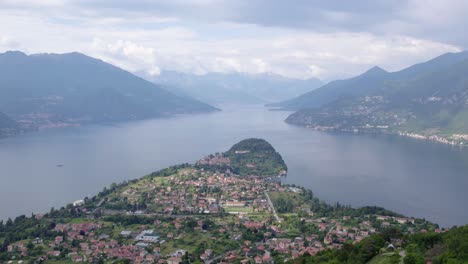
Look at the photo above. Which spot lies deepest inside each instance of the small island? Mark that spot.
(226, 208)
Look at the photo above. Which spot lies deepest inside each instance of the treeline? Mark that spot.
(23, 227)
(437, 248)
(127, 220)
(287, 203)
(259, 153)
(361, 252)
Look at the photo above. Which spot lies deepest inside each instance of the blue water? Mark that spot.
(412, 177)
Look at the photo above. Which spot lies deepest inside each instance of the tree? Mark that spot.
(414, 259)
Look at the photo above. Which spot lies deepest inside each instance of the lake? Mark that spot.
(412, 177)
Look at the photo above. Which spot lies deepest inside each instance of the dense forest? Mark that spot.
(256, 157)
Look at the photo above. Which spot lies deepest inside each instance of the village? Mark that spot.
(209, 216)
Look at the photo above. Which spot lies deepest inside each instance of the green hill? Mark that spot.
(256, 157)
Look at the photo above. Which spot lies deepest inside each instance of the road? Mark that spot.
(272, 207)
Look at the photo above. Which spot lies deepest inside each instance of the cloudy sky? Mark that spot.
(296, 38)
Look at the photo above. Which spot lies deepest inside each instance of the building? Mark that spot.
(148, 236)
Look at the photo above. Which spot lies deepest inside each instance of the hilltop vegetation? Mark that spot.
(430, 247)
(256, 157)
(49, 90)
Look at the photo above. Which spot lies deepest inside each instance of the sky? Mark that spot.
(329, 40)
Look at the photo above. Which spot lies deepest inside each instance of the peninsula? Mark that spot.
(226, 208)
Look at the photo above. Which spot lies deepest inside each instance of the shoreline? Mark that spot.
(460, 140)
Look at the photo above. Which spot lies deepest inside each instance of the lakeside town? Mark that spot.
(203, 213)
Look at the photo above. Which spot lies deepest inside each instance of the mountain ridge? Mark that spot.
(430, 104)
(366, 81)
(51, 89)
(221, 88)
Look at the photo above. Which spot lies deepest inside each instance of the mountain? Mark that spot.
(375, 78)
(221, 88)
(430, 100)
(333, 90)
(72, 88)
(7, 126)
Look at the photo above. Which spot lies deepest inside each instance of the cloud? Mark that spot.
(325, 39)
(316, 71)
(326, 56)
(7, 43)
(427, 19)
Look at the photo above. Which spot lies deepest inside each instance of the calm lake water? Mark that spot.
(411, 177)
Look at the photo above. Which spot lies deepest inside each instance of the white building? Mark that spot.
(148, 236)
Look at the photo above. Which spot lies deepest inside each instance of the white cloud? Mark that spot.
(6, 43)
(303, 55)
(261, 65)
(143, 42)
(316, 71)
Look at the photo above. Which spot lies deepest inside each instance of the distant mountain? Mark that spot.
(374, 79)
(429, 99)
(219, 88)
(72, 88)
(7, 126)
(333, 90)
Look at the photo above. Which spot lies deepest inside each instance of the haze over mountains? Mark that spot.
(7, 126)
(221, 88)
(430, 98)
(47, 90)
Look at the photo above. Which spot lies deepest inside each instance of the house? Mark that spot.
(258, 260)
(178, 253)
(235, 204)
(147, 236)
(141, 245)
(78, 259)
(126, 233)
(54, 253)
(37, 240)
(174, 260)
(58, 239)
(78, 203)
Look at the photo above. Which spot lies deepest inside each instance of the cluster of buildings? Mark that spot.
(186, 202)
(199, 191)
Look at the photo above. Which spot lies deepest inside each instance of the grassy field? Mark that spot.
(190, 241)
(385, 259)
(248, 210)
